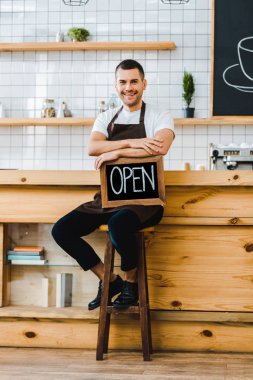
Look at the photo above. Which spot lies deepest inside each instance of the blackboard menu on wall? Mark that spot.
(232, 84)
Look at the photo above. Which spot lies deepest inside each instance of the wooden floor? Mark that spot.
(70, 364)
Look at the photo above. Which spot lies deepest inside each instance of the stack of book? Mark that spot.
(27, 255)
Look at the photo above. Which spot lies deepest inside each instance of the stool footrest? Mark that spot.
(127, 310)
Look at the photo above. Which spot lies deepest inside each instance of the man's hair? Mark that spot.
(129, 64)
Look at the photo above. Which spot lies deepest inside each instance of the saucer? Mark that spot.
(241, 83)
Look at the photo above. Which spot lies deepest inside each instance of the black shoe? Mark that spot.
(128, 297)
(115, 287)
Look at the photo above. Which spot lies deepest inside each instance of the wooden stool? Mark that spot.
(142, 309)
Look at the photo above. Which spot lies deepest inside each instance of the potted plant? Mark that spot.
(188, 92)
(78, 34)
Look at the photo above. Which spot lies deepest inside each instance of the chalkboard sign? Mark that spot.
(232, 77)
(133, 181)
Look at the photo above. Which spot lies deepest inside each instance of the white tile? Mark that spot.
(28, 141)
(213, 129)
(249, 130)
(40, 153)
(28, 153)
(239, 130)
(76, 153)
(225, 139)
(39, 164)
(5, 140)
(76, 141)
(127, 5)
(76, 165)
(190, 15)
(188, 141)
(53, 140)
(201, 153)
(200, 140)
(64, 140)
(52, 153)
(238, 139)
(249, 139)
(175, 164)
(52, 164)
(189, 130)
(175, 153)
(140, 5)
(64, 165)
(188, 153)
(102, 17)
(216, 139)
(189, 28)
(226, 129)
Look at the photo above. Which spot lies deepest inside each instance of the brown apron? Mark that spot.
(122, 132)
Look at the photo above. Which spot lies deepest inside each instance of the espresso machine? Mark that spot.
(230, 157)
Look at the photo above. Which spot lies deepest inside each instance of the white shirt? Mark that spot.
(154, 120)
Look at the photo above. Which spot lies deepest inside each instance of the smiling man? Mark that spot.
(135, 129)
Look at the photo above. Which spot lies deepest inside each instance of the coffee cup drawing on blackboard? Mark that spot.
(240, 75)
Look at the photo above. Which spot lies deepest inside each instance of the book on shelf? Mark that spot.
(64, 289)
(44, 292)
(29, 262)
(25, 253)
(23, 248)
(25, 257)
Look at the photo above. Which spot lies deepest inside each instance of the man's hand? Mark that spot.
(104, 157)
(150, 145)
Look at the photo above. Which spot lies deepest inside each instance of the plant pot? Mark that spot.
(189, 112)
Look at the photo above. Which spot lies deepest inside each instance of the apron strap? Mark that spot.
(110, 125)
(142, 115)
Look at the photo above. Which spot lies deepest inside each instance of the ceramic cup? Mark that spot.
(245, 54)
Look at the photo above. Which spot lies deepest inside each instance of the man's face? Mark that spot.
(130, 86)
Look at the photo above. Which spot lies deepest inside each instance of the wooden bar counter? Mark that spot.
(200, 264)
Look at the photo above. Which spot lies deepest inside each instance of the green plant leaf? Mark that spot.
(188, 87)
(79, 34)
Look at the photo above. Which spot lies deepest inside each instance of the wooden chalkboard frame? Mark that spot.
(148, 201)
(231, 117)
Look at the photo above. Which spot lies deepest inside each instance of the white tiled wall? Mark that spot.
(83, 78)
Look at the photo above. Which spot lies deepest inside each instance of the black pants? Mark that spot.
(122, 225)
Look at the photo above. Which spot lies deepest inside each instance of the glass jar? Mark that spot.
(48, 108)
(102, 107)
(113, 101)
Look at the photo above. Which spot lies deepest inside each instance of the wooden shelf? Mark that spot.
(76, 312)
(88, 121)
(238, 120)
(54, 121)
(91, 45)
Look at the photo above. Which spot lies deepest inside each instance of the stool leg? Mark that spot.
(108, 315)
(143, 302)
(104, 317)
(147, 295)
